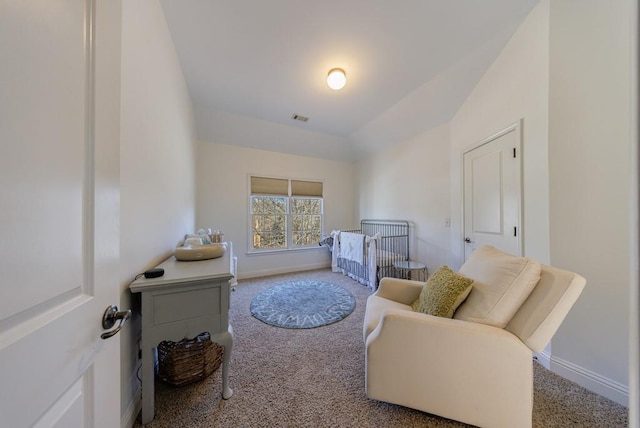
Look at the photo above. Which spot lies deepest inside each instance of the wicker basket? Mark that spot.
(190, 360)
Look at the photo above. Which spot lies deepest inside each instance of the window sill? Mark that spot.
(283, 250)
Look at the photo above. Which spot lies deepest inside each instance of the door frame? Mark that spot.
(517, 127)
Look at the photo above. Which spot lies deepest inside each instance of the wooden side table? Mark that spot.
(407, 269)
(191, 298)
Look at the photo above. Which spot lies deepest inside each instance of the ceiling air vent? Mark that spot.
(299, 117)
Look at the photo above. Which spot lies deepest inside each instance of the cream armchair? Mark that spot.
(466, 371)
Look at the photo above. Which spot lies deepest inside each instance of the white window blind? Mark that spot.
(269, 186)
(306, 188)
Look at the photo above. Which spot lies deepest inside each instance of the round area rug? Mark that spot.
(302, 304)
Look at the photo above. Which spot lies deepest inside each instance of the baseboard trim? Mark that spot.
(595, 382)
(544, 358)
(281, 270)
(128, 417)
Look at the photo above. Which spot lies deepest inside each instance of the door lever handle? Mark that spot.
(111, 315)
(467, 240)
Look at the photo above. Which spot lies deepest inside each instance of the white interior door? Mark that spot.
(59, 157)
(492, 193)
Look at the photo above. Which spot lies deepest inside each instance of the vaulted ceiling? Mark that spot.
(251, 64)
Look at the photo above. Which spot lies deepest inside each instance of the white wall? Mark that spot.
(156, 165)
(634, 201)
(566, 73)
(223, 200)
(410, 181)
(590, 175)
(232, 129)
(514, 87)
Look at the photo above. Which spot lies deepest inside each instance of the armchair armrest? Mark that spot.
(423, 332)
(457, 369)
(399, 290)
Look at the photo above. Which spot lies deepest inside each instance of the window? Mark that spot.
(285, 214)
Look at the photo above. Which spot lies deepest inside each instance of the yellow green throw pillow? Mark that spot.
(443, 293)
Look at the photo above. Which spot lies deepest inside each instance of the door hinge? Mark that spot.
(514, 152)
(515, 231)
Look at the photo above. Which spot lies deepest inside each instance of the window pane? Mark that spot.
(268, 205)
(256, 204)
(296, 222)
(314, 206)
(275, 205)
(266, 240)
(306, 206)
(271, 240)
(306, 238)
(257, 222)
(268, 222)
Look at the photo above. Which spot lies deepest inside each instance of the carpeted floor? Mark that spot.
(315, 378)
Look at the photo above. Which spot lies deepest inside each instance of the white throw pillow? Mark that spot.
(502, 282)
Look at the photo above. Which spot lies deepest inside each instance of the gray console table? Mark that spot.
(191, 298)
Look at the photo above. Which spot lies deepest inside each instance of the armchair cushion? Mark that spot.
(443, 293)
(502, 282)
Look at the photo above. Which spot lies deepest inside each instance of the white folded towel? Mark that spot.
(335, 251)
(352, 246)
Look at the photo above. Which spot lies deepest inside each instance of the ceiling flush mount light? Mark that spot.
(336, 79)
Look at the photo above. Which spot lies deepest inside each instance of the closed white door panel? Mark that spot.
(59, 133)
(486, 195)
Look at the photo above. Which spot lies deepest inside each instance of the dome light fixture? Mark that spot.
(336, 79)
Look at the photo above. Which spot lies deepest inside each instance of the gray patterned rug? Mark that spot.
(302, 304)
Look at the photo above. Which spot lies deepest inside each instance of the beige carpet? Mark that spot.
(315, 378)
